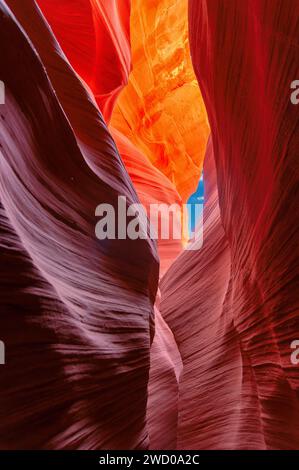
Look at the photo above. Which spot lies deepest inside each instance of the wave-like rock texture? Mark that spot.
(76, 313)
(233, 307)
(165, 371)
(95, 36)
(151, 185)
(83, 368)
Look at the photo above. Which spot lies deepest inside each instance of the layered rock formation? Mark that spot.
(94, 36)
(97, 357)
(239, 297)
(76, 324)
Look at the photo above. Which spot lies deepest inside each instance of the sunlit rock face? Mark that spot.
(95, 36)
(156, 110)
(161, 110)
(100, 354)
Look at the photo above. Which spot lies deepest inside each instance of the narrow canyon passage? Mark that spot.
(133, 344)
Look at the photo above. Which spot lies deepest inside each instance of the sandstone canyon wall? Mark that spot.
(133, 344)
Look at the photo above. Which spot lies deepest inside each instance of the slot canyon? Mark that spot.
(138, 344)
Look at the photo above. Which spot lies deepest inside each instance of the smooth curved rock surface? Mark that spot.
(95, 358)
(239, 296)
(80, 324)
(150, 184)
(95, 36)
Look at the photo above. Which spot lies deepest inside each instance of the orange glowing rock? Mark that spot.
(157, 110)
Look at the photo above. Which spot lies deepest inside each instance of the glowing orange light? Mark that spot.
(161, 109)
